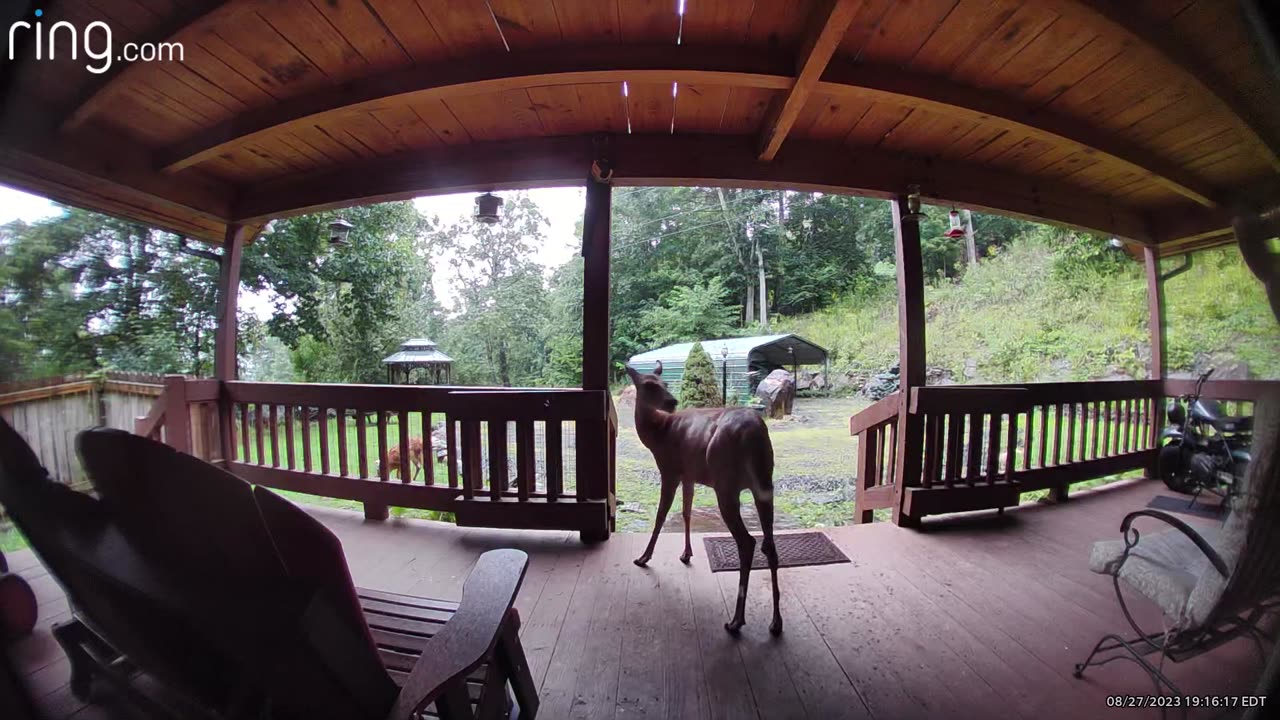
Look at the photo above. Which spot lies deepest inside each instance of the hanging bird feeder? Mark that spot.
(487, 206)
(913, 204)
(339, 229)
(957, 230)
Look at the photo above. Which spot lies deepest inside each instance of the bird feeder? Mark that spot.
(339, 229)
(913, 204)
(957, 230)
(487, 206)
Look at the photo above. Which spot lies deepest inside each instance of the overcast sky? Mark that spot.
(561, 206)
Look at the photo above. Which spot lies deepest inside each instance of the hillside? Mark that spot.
(1042, 310)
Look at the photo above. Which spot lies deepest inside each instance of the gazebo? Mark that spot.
(1153, 122)
(419, 354)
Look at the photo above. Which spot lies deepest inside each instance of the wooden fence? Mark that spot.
(983, 446)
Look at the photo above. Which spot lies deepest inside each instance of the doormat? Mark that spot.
(794, 550)
(1169, 503)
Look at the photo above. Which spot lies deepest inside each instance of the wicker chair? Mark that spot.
(1212, 585)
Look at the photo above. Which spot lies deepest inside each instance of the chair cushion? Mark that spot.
(1164, 567)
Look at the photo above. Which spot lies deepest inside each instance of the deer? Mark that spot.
(391, 460)
(726, 449)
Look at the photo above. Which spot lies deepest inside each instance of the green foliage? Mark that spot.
(691, 312)
(700, 385)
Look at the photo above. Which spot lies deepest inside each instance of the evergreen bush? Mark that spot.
(700, 386)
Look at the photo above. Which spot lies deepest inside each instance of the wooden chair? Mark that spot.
(195, 595)
(1212, 585)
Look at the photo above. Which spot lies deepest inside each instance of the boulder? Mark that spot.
(777, 393)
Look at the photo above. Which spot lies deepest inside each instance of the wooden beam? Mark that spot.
(1127, 18)
(689, 160)
(1155, 313)
(595, 286)
(224, 344)
(492, 74)
(188, 17)
(911, 348)
(942, 97)
(827, 26)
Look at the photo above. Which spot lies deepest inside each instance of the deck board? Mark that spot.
(974, 615)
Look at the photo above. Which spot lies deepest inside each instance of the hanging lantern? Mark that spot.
(913, 204)
(487, 206)
(339, 229)
(957, 230)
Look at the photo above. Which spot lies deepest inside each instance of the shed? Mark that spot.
(419, 353)
(746, 360)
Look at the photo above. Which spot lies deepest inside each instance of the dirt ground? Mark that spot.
(813, 472)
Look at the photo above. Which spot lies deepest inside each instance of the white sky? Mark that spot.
(562, 208)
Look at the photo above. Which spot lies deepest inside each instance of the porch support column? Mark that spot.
(910, 430)
(1156, 365)
(595, 440)
(224, 342)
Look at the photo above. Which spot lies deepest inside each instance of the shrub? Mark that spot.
(700, 386)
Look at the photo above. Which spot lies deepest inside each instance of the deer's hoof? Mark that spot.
(641, 562)
(684, 558)
(734, 626)
(775, 627)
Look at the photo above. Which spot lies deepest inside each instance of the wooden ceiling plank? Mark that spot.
(527, 24)
(559, 109)
(587, 22)
(1170, 45)
(994, 108)
(902, 32)
(364, 31)
(717, 22)
(408, 25)
(96, 94)
(648, 21)
(1004, 43)
(466, 28)
(968, 23)
(700, 108)
(827, 28)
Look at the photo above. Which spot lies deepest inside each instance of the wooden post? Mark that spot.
(177, 414)
(595, 286)
(224, 343)
(1156, 366)
(910, 435)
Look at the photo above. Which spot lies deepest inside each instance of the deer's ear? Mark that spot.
(631, 373)
(657, 369)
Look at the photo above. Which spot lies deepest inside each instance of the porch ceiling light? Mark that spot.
(339, 229)
(487, 206)
(957, 230)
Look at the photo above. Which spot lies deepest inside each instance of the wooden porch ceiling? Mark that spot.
(1149, 121)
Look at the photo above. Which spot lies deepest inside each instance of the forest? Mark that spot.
(84, 292)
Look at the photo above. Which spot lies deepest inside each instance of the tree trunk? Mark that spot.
(750, 305)
(504, 366)
(764, 302)
(970, 244)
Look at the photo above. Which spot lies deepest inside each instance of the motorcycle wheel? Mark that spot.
(1173, 469)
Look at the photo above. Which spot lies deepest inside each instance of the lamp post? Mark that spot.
(724, 375)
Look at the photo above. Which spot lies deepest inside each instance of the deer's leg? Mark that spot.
(731, 513)
(764, 508)
(664, 507)
(686, 511)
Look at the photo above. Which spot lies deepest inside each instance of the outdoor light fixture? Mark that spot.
(487, 206)
(339, 229)
(957, 230)
(913, 204)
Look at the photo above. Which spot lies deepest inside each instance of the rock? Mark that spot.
(778, 393)
(882, 384)
(811, 380)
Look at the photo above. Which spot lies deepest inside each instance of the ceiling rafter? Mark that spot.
(687, 160)
(827, 27)
(189, 16)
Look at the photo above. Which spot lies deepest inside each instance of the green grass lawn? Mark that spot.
(11, 539)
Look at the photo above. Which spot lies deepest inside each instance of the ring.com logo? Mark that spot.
(95, 40)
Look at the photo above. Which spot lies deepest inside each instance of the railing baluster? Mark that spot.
(451, 449)
(931, 464)
(362, 445)
(323, 422)
(555, 460)
(1108, 429)
(1096, 438)
(471, 472)
(955, 459)
(526, 463)
(340, 424)
(288, 436)
(1027, 433)
(1071, 433)
(972, 466)
(1011, 446)
(1044, 436)
(1057, 434)
(306, 438)
(406, 462)
(499, 478)
(244, 432)
(891, 455)
(428, 449)
(258, 423)
(275, 435)
(384, 470)
(993, 447)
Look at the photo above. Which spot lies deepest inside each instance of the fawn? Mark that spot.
(391, 460)
(726, 449)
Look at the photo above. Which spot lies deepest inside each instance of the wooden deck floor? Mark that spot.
(973, 617)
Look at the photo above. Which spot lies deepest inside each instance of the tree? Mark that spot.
(692, 312)
(700, 387)
(496, 335)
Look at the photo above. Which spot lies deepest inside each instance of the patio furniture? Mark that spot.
(210, 598)
(1212, 584)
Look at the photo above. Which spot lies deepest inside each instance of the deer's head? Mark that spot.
(651, 391)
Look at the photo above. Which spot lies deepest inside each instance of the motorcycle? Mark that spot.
(1203, 448)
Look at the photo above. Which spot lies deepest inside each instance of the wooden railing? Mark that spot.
(983, 445)
(523, 458)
